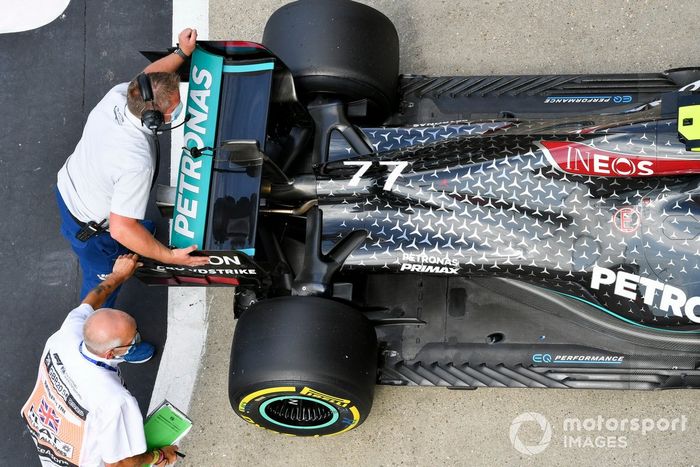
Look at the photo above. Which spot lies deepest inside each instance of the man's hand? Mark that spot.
(170, 456)
(187, 39)
(181, 256)
(147, 458)
(123, 269)
(125, 266)
(172, 62)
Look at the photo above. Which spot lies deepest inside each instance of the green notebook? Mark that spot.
(166, 425)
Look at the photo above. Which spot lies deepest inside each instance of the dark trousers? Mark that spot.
(97, 255)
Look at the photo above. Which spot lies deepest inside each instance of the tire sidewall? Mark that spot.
(348, 411)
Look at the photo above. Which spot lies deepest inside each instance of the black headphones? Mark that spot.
(150, 118)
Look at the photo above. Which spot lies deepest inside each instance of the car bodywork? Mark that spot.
(528, 231)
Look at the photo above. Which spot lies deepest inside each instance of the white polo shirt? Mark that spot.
(112, 165)
(80, 413)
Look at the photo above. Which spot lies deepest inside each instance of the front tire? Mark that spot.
(304, 366)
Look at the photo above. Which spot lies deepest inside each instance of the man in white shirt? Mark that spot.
(108, 177)
(79, 412)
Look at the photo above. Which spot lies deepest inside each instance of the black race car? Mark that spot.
(503, 231)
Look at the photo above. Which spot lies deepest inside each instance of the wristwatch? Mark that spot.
(181, 53)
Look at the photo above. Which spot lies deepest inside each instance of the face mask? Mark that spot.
(132, 348)
(176, 113)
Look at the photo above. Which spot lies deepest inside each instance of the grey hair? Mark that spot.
(98, 348)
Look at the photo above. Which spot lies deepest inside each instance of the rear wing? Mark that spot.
(215, 202)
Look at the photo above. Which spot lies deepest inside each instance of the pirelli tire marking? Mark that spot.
(256, 402)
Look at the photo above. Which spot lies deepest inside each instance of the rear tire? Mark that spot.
(303, 366)
(338, 47)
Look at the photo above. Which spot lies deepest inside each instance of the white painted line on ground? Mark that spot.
(29, 14)
(187, 306)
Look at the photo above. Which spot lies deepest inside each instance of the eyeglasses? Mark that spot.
(135, 341)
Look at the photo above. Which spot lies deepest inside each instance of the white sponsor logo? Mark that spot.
(589, 358)
(422, 258)
(583, 159)
(230, 272)
(592, 161)
(435, 264)
(577, 100)
(224, 260)
(186, 208)
(428, 269)
(629, 285)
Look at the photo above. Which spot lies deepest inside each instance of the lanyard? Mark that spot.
(96, 362)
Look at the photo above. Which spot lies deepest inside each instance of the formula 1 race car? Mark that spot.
(501, 231)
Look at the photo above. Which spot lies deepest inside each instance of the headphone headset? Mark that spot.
(150, 118)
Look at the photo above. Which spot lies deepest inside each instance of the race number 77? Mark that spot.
(365, 165)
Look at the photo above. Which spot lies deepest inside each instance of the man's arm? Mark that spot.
(123, 269)
(130, 233)
(148, 457)
(170, 63)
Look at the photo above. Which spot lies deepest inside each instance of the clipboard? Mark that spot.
(165, 426)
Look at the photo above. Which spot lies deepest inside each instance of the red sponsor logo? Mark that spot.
(577, 158)
(627, 220)
(585, 160)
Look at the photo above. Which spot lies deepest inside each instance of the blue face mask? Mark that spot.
(176, 113)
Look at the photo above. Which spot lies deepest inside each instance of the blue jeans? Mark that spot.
(97, 255)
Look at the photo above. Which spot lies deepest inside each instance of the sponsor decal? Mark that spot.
(61, 388)
(230, 272)
(595, 359)
(422, 262)
(215, 260)
(40, 431)
(48, 416)
(627, 220)
(224, 268)
(54, 418)
(429, 269)
(319, 395)
(615, 99)
(582, 159)
(48, 454)
(667, 297)
(194, 175)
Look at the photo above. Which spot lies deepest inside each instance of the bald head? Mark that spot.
(106, 329)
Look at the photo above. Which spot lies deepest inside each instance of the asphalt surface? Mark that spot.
(52, 77)
(431, 427)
